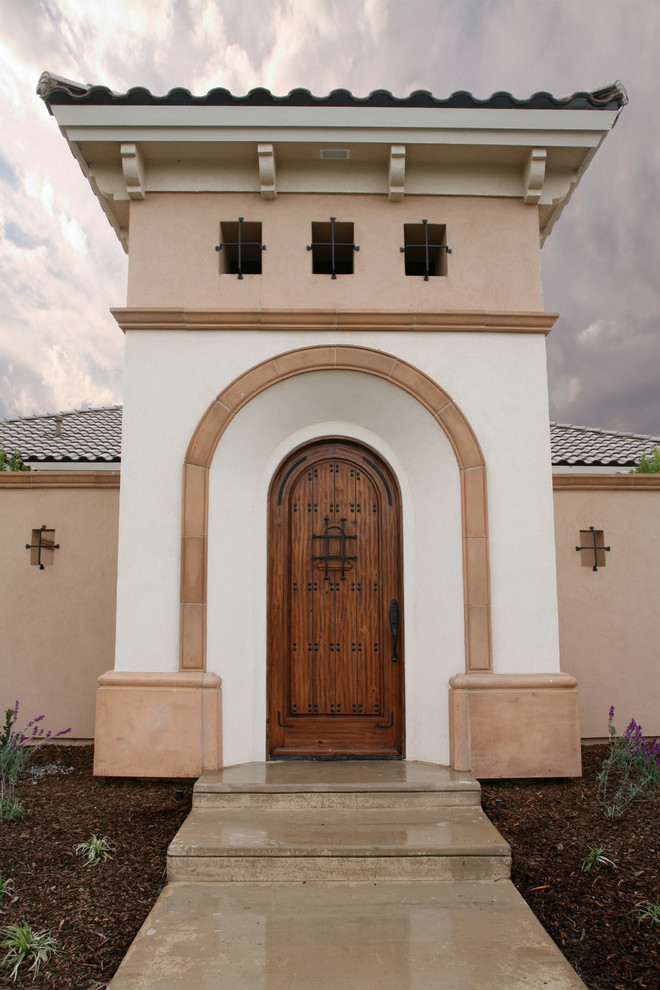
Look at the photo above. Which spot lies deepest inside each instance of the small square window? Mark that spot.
(333, 246)
(425, 249)
(240, 247)
(593, 552)
(42, 547)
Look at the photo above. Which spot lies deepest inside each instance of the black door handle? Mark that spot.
(394, 626)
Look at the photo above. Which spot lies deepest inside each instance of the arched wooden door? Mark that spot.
(335, 637)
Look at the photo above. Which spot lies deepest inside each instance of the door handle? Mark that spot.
(394, 626)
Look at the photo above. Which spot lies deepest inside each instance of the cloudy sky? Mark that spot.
(61, 267)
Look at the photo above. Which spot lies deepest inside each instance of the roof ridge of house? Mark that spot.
(609, 433)
(61, 412)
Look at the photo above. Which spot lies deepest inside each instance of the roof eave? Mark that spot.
(141, 127)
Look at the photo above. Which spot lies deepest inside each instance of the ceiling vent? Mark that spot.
(335, 153)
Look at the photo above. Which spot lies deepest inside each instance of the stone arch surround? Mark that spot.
(205, 439)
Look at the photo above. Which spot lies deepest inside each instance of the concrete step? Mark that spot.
(346, 784)
(353, 936)
(251, 844)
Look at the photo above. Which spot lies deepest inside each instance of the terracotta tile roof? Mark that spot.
(54, 90)
(80, 435)
(579, 445)
(95, 435)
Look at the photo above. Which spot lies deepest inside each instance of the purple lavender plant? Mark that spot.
(17, 746)
(631, 769)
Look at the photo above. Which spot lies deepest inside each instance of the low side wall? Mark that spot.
(608, 629)
(58, 624)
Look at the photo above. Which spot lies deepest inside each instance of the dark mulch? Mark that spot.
(95, 912)
(550, 826)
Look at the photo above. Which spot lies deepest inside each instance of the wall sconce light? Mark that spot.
(594, 540)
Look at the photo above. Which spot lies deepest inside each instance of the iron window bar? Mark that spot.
(240, 244)
(426, 246)
(40, 545)
(332, 244)
(334, 531)
(594, 547)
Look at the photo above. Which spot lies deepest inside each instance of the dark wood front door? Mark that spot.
(335, 643)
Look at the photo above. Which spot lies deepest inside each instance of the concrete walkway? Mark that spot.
(306, 875)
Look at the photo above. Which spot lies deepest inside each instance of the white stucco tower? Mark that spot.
(336, 526)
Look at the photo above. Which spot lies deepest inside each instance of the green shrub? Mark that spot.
(649, 463)
(12, 462)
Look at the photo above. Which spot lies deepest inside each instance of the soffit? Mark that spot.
(134, 143)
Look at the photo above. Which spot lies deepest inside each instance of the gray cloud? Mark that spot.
(62, 267)
(7, 173)
(21, 238)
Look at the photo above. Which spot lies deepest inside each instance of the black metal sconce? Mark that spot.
(594, 546)
(40, 545)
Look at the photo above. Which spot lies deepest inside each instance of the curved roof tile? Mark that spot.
(55, 90)
(80, 435)
(95, 435)
(582, 446)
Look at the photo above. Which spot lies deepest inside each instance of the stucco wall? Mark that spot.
(491, 376)
(608, 618)
(494, 263)
(58, 625)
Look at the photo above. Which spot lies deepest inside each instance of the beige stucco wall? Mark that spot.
(608, 618)
(494, 263)
(58, 625)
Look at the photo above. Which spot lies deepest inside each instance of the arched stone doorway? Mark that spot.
(449, 417)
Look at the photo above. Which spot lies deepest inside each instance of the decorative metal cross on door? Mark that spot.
(335, 532)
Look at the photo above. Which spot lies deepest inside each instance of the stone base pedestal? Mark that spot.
(158, 725)
(515, 725)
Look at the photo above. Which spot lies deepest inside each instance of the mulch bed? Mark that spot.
(95, 912)
(550, 826)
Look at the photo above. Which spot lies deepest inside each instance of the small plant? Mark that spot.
(12, 462)
(647, 911)
(11, 810)
(95, 850)
(631, 770)
(6, 887)
(17, 746)
(595, 858)
(24, 945)
(649, 463)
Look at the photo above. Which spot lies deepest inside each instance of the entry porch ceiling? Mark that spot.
(521, 151)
